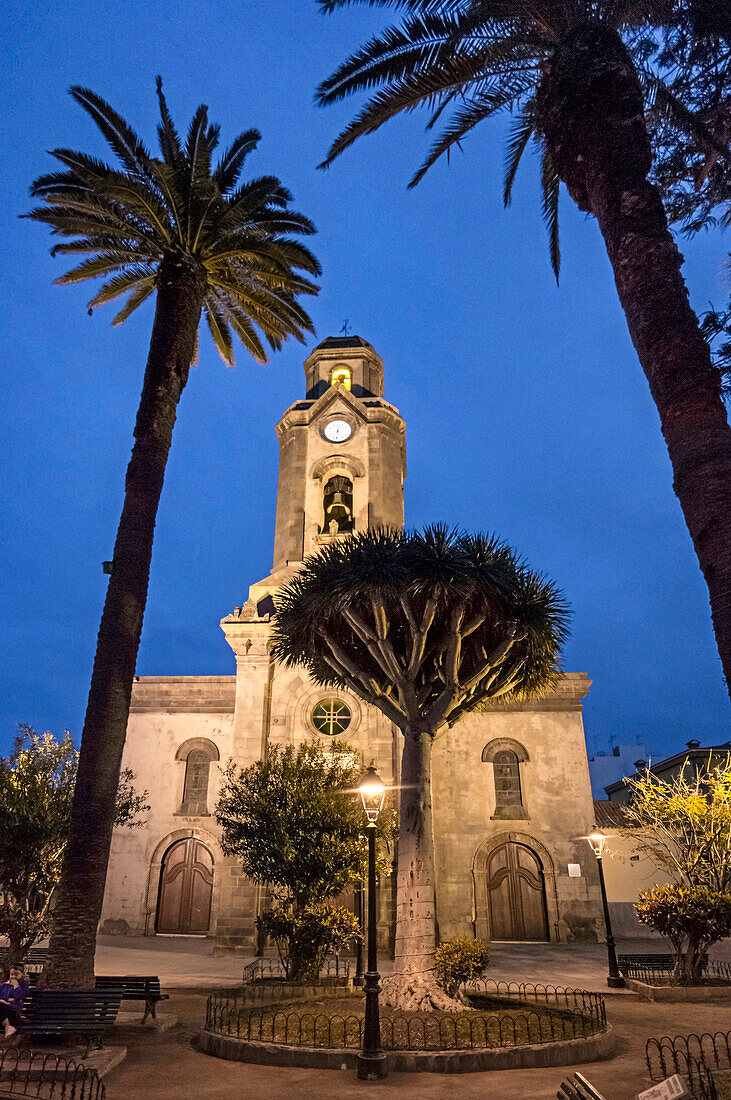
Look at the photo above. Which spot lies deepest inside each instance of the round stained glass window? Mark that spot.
(331, 717)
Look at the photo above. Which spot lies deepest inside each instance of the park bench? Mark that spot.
(659, 961)
(88, 1012)
(145, 989)
(577, 1088)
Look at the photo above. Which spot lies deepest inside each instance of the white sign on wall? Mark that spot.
(574, 870)
(670, 1089)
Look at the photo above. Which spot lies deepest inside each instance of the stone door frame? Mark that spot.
(479, 878)
(155, 871)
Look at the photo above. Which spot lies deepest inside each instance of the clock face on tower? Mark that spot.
(337, 431)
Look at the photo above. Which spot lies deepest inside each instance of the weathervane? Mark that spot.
(346, 326)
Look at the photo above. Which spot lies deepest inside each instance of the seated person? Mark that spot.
(12, 994)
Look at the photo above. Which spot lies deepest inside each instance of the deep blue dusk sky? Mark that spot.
(526, 409)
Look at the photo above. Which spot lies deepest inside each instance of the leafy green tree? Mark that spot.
(36, 790)
(295, 823)
(425, 627)
(190, 233)
(684, 824)
(691, 917)
(565, 70)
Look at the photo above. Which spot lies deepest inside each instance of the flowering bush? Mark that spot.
(305, 937)
(691, 917)
(460, 960)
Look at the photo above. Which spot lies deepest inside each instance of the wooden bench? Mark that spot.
(88, 1012)
(577, 1088)
(145, 989)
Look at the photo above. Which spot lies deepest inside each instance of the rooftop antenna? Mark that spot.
(346, 326)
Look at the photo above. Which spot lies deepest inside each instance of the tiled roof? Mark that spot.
(608, 815)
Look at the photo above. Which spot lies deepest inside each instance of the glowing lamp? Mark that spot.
(597, 839)
(372, 794)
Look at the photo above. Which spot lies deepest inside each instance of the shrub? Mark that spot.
(460, 960)
(305, 937)
(691, 917)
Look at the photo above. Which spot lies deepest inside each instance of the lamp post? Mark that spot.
(371, 1059)
(597, 840)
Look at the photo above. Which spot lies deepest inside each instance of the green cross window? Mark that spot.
(331, 717)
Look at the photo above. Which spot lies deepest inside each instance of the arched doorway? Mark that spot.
(186, 889)
(516, 893)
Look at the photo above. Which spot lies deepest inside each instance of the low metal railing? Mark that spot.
(693, 1056)
(272, 969)
(662, 975)
(507, 1015)
(47, 1077)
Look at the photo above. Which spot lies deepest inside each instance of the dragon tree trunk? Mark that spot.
(70, 963)
(590, 111)
(412, 985)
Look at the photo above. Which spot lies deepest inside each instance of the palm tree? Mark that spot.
(180, 228)
(564, 67)
(426, 628)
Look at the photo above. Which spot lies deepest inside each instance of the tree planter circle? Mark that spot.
(510, 1026)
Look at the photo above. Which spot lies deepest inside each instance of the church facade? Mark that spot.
(511, 790)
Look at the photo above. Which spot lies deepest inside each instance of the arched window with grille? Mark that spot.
(198, 754)
(506, 756)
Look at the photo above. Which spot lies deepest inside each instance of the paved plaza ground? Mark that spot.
(166, 1066)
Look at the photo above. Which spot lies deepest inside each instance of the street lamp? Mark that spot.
(597, 840)
(371, 1059)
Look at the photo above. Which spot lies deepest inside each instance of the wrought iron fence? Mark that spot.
(693, 1056)
(508, 1014)
(663, 975)
(47, 1077)
(273, 970)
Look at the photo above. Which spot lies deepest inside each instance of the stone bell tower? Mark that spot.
(342, 458)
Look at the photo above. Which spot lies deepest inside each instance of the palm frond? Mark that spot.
(120, 136)
(101, 264)
(550, 187)
(121, 283)
(168, 137)
(219, 330)
(229, 167)
(520, 135)
(140, 294)
(499, 95)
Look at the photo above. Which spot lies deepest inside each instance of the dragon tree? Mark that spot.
(426, 627)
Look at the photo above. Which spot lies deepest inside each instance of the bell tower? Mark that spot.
(342, 458)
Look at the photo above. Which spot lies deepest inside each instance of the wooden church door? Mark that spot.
(186, 889)
(516, 894)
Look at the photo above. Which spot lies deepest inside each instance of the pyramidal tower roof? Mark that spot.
(344, 342)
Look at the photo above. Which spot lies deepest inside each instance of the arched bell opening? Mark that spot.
(338, 505)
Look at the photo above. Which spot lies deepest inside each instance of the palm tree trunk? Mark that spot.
(70, 964)
(590, 111)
